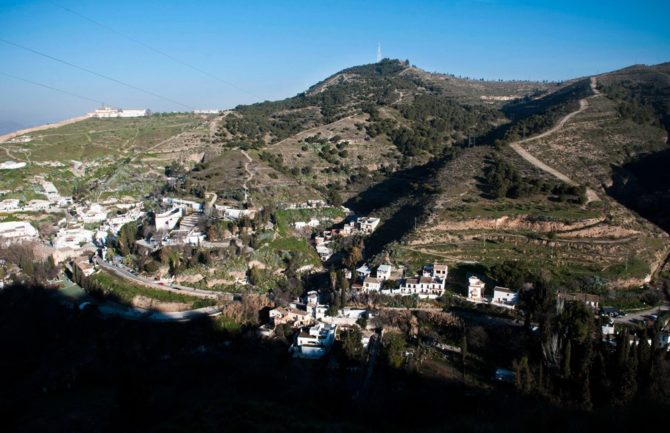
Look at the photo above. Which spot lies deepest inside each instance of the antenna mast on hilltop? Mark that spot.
(379, 52)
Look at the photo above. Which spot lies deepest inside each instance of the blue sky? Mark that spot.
(275, 49)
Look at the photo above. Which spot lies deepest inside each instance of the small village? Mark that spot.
(81, 242)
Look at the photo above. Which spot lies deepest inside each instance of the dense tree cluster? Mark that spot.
(504, 180)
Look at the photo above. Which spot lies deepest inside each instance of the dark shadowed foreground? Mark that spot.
(65, 370)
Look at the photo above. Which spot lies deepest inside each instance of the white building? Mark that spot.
(51, 191)
(423, 287)
(384, 272)
(440, 270)
(184, 204)
(72, 238)
(504, 296)
(367, 224)
(324, 252)
(37, 205)
(16, 231)
(95, 213)
(475, 289)
(363, 271)
(109, 112)
(302, 224)
(315, 342)
(371, 284)
(11, 165)
(234, 214)
(608, 329)
(169, 219)
(312, 298)
(9, 205)
(664, 340)
(429, 285)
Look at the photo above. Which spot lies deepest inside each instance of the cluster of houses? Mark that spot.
(430, 283)
(178, 225)
(54, 200)
(360, 226)
(315, 331)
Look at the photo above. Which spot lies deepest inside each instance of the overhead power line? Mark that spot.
(51, 88)
(97, 74)
(156, 50)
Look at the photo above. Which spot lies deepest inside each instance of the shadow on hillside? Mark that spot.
(403, 200)
(643, 185)
(69, 370)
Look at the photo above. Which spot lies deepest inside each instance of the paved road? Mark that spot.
(516, 146)
(639, 315)
(147, 282)
(112, 309)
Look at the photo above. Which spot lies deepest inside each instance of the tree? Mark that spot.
(394, 349)
(352, 344)
(354, 256)
(567, 358)
(464, 353)
(127, 237)
(255, 276)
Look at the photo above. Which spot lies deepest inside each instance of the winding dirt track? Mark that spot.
(583, 105)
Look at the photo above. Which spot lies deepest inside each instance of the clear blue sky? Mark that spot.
(276, 49)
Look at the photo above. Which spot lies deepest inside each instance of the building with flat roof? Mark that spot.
(17, 231)
(109, 112)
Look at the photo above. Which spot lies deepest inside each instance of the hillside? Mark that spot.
(428, 153)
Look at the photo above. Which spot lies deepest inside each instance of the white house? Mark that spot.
(664, 340)
(9, 205)
(185, 204)
(51, 191)
(504, 296)
(440, 270)
(281, 315)
(367, 224)
(16, 231)
(475, 289)
(302, 224)
(363, 271)
(315, 342)
(72, 238)
(95, 213)
(371, 284)
(384, 272)
(312, 298)
(109, 112)
(169, 219)
(424, 287)
(324, 252)
(608, 329)
(37, 205)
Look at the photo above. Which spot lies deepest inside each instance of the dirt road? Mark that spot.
(583, 105)
(250, 175)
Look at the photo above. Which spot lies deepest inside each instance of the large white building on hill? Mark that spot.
(107, 112)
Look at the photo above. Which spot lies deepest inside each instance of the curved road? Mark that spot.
(147, 282)
(249, 173)
(583, 105)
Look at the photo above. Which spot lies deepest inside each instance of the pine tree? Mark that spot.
(567, 359)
